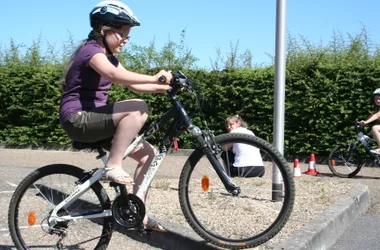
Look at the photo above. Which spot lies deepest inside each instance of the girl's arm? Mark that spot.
(372, 118)
(149, 88)
(99, 62)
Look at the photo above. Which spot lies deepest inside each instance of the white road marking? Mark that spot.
(6, 192)
(6, 229)
(11, 184)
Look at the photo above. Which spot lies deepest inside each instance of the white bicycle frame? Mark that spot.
(142, 189)
(82, 188)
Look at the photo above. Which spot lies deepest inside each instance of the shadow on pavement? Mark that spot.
(358, 176)
(2, 247)
(171, 240)
(326, 175)
(365, 177)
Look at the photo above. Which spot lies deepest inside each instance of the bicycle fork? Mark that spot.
(228, 184)
(210, 148)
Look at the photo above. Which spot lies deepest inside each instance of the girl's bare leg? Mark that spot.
(144, 156)
(376, 134)
(129, 117)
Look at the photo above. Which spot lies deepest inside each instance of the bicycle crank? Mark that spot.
(128, 211)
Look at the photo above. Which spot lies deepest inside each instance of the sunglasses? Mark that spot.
(123, 36)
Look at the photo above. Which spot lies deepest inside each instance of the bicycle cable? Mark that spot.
(199, 100)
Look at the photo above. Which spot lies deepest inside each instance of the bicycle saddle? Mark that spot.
(84, 145)
(106, 144)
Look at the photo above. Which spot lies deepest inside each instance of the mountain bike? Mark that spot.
(62, 206)
(346, 160)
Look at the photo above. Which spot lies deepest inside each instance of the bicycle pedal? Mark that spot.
(142, 232)
(114, 184)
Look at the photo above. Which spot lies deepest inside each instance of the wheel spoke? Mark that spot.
(35, 199)
(345, 160)
(246, 218)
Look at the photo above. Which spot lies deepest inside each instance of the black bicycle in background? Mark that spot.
(62, 206)
(346, 160)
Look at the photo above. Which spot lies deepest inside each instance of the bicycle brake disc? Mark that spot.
(128, 211)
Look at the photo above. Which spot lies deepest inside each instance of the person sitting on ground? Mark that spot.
(85, 114)
(374, 117)
(241, 159)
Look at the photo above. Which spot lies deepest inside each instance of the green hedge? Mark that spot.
(321, 105)
(327, 89)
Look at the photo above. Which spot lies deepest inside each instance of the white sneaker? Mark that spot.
(376, 151)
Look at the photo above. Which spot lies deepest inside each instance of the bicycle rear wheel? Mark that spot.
(345, 161)
(241, 221)
(36, 197)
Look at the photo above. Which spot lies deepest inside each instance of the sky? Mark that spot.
(209, 24)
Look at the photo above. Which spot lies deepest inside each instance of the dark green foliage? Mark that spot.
(327, 89)
(30, 99)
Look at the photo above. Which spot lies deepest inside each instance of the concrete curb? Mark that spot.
(326, 228)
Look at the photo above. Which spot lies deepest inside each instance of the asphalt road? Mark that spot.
(362, 234)
(364, 231)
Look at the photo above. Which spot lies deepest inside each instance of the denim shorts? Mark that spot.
(91, 126)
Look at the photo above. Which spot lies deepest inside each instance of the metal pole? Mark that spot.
(279, 94)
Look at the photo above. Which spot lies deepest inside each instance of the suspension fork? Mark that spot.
(227, 182)
(210, 148)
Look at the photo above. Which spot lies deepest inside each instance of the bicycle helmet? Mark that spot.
(376, 92)
(112, 13)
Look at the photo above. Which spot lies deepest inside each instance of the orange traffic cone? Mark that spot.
(311, 170)
(297, 169)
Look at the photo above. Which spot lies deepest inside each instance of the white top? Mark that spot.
(245, 155)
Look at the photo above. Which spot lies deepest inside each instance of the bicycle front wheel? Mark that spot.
(36, 197)
(237, 221)
(345, 161)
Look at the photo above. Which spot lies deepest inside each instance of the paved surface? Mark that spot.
(353, 226)
(324, 230)
(362, 234)
(321, 233)
(364, 231)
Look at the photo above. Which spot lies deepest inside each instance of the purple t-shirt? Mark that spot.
(85, 88)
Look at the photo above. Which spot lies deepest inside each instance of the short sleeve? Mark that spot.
(89, 50)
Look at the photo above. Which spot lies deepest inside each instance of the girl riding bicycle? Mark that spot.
(86, 115)
(374, 117)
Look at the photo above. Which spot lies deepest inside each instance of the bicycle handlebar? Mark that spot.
(358, 125)
(178, 82)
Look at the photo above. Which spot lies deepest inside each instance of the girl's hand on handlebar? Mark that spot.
(362, 123)
(164, 77)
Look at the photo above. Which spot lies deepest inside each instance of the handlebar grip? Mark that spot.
(162, 79)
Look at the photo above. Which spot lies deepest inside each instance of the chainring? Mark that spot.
(128, 211)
